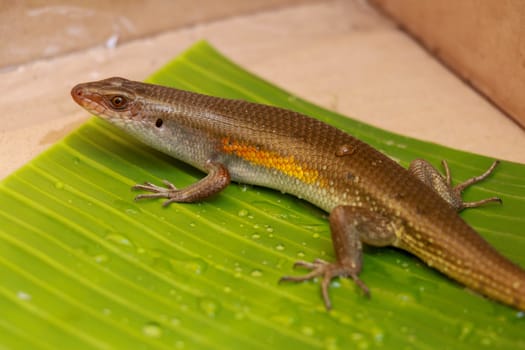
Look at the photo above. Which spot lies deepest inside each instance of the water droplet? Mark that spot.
(486, 341)
(209, 307)
(100, 258)
(165, 261)
(23, 295)
(269, 228)
(256, 236)
(239, 315)
(242, 213)
(131, 211)
(238, 269)
(316, 235)
(256, 273)
(405, 299)
(277, 211)
(379, 335)
(119, 239)
(330, 343)
(279, 247)
(127, 207)
(196, 265)
(227, 289)
(465, 330)
(360, 340)
(300, 255)
(309, 331)
(345, 150)
(152, 329)
(59, 185)
(283, 319)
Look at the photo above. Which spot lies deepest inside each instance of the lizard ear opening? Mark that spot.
(159, 122)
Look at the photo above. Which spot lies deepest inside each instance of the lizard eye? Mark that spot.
(118, 102)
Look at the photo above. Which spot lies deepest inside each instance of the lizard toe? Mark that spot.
(328, 271)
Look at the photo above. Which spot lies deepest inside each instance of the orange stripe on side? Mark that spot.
(287, 165)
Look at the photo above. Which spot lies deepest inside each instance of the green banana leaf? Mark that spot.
(83, 266)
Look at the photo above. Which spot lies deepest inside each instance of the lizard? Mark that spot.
(370, 198)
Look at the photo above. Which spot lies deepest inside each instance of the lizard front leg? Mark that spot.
(217, 179)
(442, 185)
(350, 227)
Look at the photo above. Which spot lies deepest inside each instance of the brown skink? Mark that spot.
(371, 199)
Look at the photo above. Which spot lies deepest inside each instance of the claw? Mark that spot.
(442, 185)
(170, 185)
(156, 191)
(328, 271)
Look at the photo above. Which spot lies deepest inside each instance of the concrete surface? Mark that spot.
(340, 54)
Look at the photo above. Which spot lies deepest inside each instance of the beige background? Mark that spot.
(483, 41)
(343, 55)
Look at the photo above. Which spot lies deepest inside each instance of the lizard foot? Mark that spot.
(217, 179)
(442, 185)
(169, 191)
(328, 271)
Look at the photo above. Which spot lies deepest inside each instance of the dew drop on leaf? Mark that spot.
(209, 307)
(152, 330)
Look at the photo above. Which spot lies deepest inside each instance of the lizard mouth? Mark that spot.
(90, 101)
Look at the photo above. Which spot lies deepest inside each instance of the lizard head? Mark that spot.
(111, 99)
(149, 112)
(131, 105)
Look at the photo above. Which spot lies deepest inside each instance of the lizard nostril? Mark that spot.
(77, 93)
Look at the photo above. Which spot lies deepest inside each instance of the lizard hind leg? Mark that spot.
(442, 185)
(350, 227)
